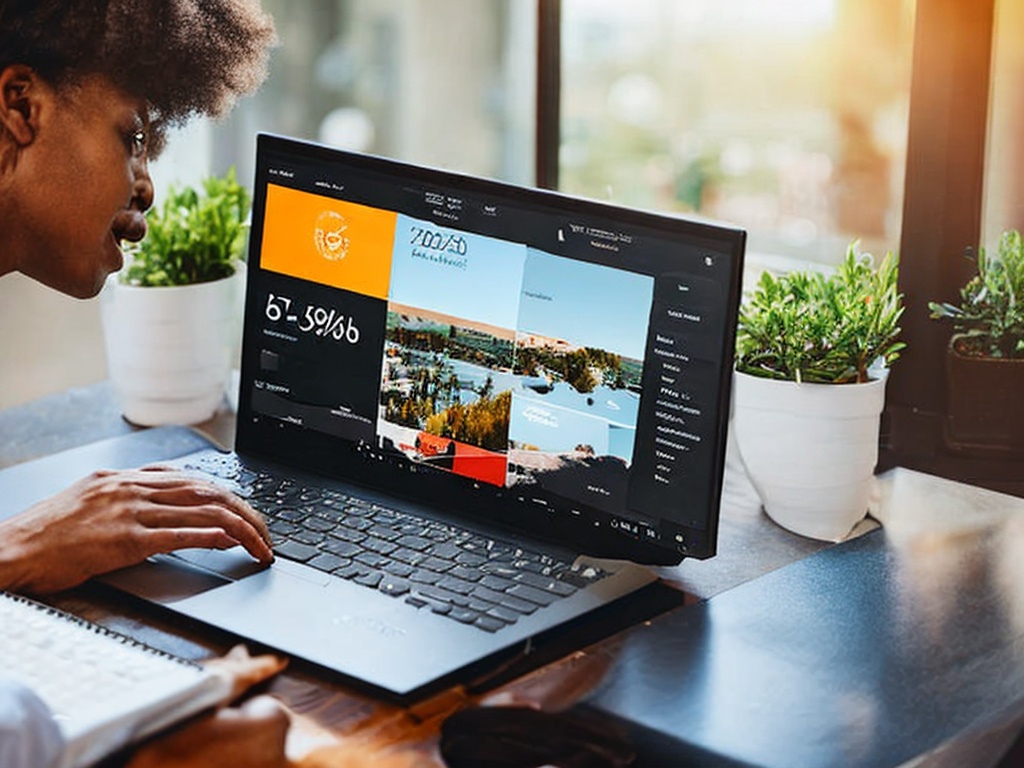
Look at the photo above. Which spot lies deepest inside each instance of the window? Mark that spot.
(810, 123)
(787, 117)
(448, 83)
(1004, 184)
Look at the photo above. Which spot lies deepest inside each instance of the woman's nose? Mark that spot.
(130, 223)
(142, 186)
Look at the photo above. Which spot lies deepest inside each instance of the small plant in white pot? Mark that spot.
(172, 316)
(812, 352)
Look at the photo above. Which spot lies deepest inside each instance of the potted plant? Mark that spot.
(985, 357)
(172, 315)
(812, 351)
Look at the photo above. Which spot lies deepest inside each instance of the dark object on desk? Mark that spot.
(523, 737)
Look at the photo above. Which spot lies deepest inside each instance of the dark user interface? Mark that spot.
(573, 360)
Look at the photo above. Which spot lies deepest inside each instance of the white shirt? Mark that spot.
(29, 736)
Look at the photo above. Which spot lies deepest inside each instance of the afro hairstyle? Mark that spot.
(183, 58)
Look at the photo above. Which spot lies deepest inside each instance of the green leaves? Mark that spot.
(813, 327)
(990, 313)
(194, 236)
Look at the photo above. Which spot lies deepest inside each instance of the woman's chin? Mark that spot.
(112, 262)
(116, 254)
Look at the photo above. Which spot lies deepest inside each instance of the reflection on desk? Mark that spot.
(901, 647)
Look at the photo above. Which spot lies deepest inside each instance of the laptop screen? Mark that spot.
(541, 360)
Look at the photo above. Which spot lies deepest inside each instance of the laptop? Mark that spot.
(471, 412)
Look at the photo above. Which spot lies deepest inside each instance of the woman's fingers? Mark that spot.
(175, 488)
(246, 671)
(174, 533)
(180, 501)
(213, 517)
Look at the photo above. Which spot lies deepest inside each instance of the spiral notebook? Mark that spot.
(104, 689)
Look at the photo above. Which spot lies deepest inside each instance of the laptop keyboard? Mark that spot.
(451, 571)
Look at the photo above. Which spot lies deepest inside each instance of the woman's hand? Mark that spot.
(114, 519)
(253, 735)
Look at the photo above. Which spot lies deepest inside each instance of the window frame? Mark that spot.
(549, 92)
(942, 211)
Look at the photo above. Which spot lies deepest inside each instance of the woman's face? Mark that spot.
(86, 185)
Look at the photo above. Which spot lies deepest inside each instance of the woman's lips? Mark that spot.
(129, 225)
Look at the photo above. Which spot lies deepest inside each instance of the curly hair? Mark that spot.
(182, 57)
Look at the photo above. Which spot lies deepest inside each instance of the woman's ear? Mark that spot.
(20, 93)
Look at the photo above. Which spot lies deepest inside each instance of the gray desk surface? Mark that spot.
(900, 647)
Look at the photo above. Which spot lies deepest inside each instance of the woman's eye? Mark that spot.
(138, 143)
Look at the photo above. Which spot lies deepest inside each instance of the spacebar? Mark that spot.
(293, 550)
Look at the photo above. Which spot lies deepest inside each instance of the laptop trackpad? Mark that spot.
(164, 580)
(232, 564)
(235, 564)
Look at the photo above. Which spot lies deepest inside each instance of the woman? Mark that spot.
(88, 89)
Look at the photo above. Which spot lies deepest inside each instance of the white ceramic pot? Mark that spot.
(809, 450)
(170, 349)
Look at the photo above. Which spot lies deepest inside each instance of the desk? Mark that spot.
(904, 646)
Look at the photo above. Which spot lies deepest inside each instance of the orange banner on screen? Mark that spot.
(329, 241)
